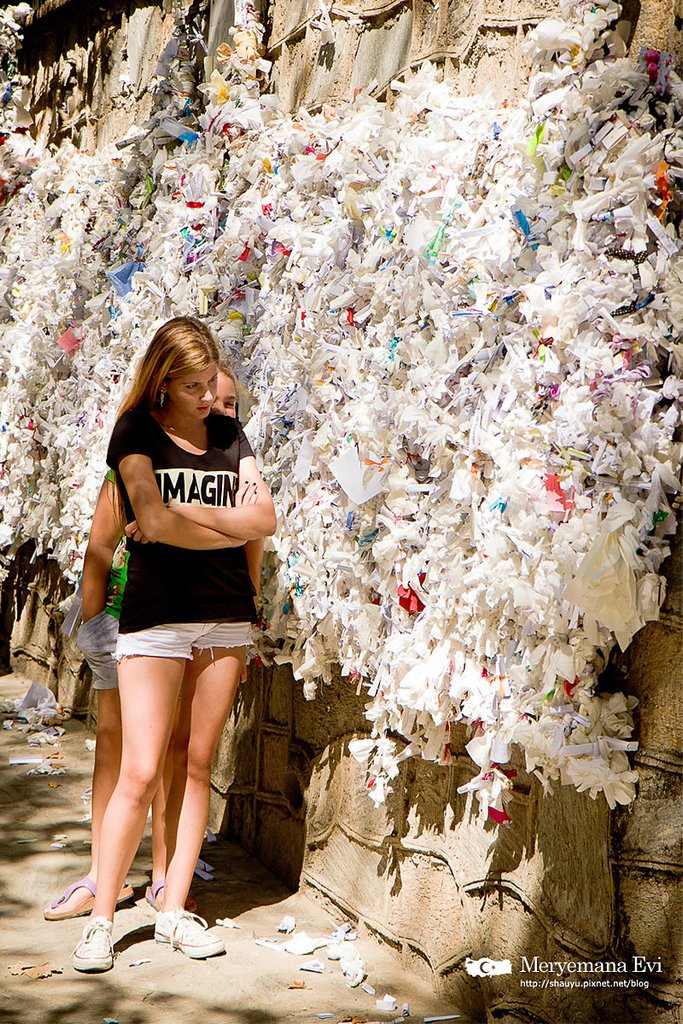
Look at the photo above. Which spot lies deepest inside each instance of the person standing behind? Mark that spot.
(227, 404)
(190, 485)
(104, 574)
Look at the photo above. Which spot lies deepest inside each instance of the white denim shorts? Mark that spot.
(97, 639)
(179, 639)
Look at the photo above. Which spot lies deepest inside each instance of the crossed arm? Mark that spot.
(193, 527)
(253, 516)
(106, 530)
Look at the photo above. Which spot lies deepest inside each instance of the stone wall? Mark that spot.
(375, 41)
(90, 66)
(31, 614)
(645, 841)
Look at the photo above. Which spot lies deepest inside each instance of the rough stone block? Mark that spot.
(655, 677)
(653, 823)
(336, 711)
(287, 17)
(274, 755)
(143, 40)
(279, 841)
(331, 65)
(523, 10)
(651, 907)
(239, 821)
(576, 887)
(358, 876)
(277, 696)
(338, 797)
(383, 49)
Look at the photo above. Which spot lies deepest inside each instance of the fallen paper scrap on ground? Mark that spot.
(39, 697)
(301, 943)
(35, 971)
(45, 768)
(204, 871)
(353, 969)
(315, 966)
(270, 944)
(51, 735)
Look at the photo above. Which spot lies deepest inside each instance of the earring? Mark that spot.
(162, 399)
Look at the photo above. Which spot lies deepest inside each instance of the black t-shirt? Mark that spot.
(171, 584)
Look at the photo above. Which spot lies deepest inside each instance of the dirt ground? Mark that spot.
(249, 985)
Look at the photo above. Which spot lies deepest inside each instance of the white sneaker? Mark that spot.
(188, 933)
(95, 951)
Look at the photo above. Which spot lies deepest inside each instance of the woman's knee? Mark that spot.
(198, 768)
(139, 782)
(108, 741)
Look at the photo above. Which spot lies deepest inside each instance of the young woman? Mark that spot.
(226, 401)
(103, 584)
(104, 577)
(193, 497)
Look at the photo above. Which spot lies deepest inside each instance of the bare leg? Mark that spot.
(160, 853)
(149, 689)
(105, 774)
(107, 762)
(209, 688)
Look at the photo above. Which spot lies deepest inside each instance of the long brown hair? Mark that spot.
(181, 346)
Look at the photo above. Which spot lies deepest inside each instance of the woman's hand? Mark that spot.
(247, 494)
(135, 533)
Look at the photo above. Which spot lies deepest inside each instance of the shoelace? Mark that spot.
(91, 932)
(186, 921)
